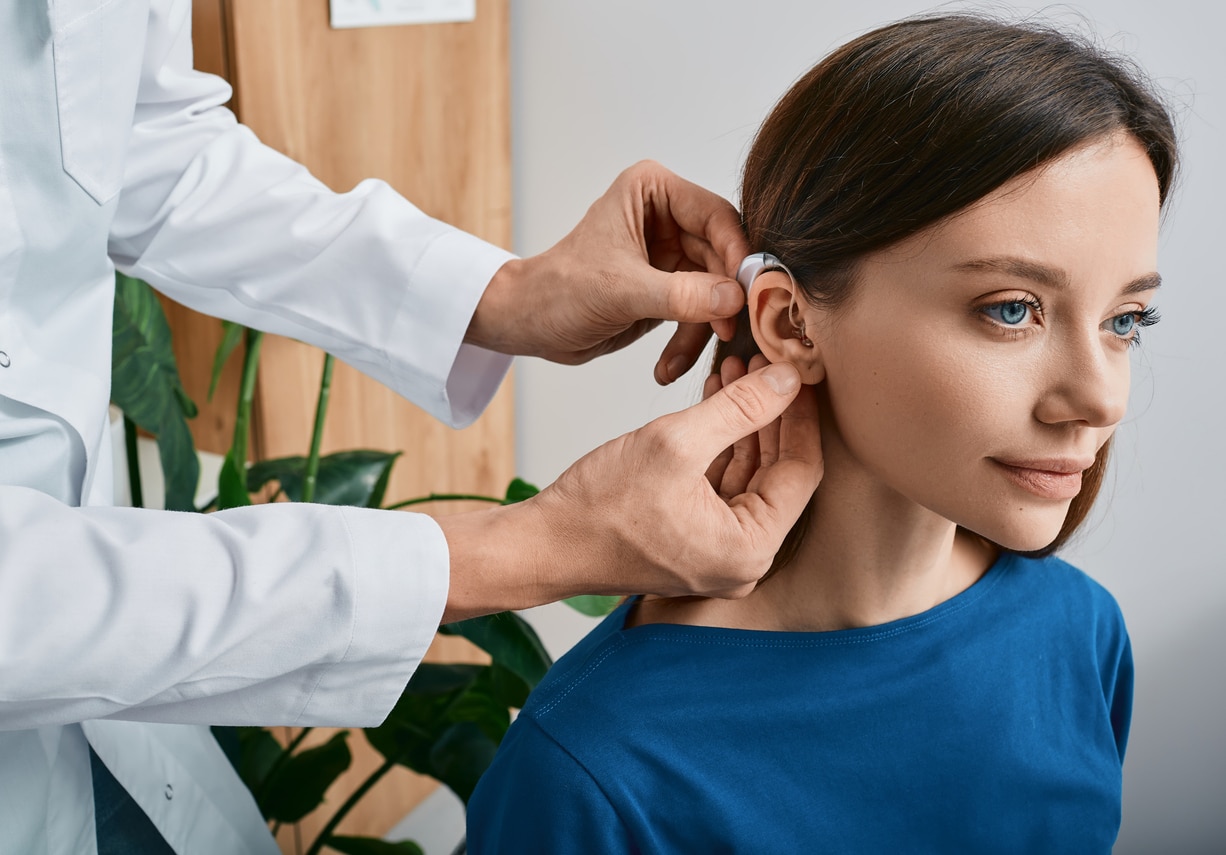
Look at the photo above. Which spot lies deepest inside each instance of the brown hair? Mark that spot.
(913, 122)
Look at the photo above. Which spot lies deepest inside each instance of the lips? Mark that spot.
(1054, 478)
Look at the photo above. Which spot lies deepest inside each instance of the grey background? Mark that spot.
(598, 86)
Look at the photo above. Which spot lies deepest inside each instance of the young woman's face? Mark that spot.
(981, 364)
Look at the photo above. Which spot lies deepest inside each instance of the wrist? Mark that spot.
(495, 314)
(500, 559)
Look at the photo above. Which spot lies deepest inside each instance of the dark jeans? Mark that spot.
(123, 828)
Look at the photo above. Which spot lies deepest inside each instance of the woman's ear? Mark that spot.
(777, 316)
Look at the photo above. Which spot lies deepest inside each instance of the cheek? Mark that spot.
(915, 400)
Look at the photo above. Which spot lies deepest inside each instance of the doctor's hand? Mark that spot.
(640, 514)
(654, 247)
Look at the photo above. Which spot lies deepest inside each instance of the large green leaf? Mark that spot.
(232, 484)
(407, 732)
(519, 490)
(593, 605)
(481, 707)
(510, 640)
(507, 688)
(372, 846)
(297, 787)
(421, 730)
(461, 756)
(432, 679)
(180, 465)
(258, 753)
(354, 478)
(231, 335)
(145, 385)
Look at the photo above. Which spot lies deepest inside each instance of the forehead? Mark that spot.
(1092, 212)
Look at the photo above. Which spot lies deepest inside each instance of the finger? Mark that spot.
(731, 370)
(682, 351)
(768, 437)
(724, 328)
(698, 254)
(689, 296)
(736, 411)
(800, 436)
(783, 489)
(702, 256)
(744, 462)
(701, 213)
(715, 472)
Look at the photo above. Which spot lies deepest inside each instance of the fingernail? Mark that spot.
(726, 299)
(782, 378)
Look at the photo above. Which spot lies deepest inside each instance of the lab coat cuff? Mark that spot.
(401, 572)
(448, 281)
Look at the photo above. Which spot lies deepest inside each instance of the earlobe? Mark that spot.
(777, 318)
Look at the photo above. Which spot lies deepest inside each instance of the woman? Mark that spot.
(965, 217)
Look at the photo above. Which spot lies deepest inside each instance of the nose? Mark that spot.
(1088, 384)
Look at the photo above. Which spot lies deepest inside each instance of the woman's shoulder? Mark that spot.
(1055, 575)
(618, 672)
(1053, 589)
(607, 667)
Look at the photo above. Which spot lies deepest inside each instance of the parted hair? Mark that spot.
(910, 124)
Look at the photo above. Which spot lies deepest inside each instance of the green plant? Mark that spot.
(451, 717)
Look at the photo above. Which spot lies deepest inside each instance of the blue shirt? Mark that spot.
(995, 722)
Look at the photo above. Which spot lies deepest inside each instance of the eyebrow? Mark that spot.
(1052, 277)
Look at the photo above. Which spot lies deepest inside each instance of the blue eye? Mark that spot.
(1010, 314)
(1129, 325)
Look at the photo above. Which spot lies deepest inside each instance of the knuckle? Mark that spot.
(646, 165)
(640, 173)
(745, 404)
(661, 438)
(683, 301)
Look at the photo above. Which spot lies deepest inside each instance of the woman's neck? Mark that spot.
(870, 556)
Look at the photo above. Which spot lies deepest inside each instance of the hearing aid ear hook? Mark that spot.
(761, 262)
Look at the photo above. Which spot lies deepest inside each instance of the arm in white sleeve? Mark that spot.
(276, 614)
(219, 222)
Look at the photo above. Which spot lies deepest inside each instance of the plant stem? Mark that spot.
(443, 497)
(129, 444)
(281, 760)
(246, 394)
(297, 740)
(317, 433)
(348, 806)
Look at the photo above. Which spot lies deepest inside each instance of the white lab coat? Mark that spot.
(120, 626)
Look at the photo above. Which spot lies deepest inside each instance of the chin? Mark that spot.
(1028, 531)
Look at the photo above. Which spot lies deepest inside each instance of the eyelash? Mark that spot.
(1146, 317)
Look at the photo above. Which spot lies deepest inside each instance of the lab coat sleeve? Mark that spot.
(221, 223)
(283, 613)
(289, 614)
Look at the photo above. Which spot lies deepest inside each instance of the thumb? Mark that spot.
(689, 296)
(741, 408)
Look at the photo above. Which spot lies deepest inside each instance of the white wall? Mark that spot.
(600, 85)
